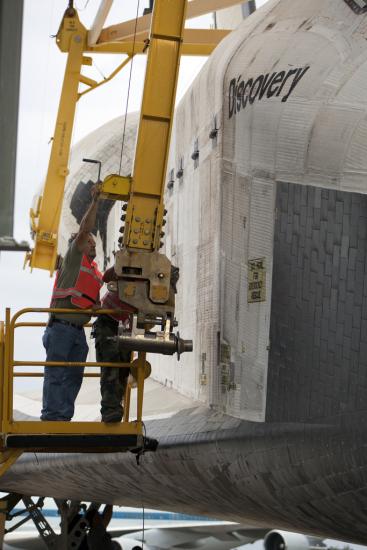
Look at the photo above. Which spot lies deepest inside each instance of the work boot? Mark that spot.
(112, 416)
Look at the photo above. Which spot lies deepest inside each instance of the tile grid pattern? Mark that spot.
(318, 357)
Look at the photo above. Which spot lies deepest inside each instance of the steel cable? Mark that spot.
(129, 84)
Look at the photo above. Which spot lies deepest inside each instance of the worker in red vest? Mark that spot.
(113, 380)
(77, 286)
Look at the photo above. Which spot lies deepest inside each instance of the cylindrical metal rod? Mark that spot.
(151, 344)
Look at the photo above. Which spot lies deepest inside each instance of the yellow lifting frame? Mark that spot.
(9, 426)
(72, 38)
(126, 30)
(144, 214)
(45, 221)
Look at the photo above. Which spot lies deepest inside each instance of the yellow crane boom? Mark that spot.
(145, 207)
(73, 39)
(144, 274)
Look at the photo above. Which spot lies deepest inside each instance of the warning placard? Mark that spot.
(256, 291)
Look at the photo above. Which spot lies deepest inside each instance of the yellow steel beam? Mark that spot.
(192, 38)
(196, 36)
(144, 214)
(7, 459)
(95, 85)
(126, 30)
(198, 49)
(88, 81)
(204, 36)
(207, 41)
(72, 38)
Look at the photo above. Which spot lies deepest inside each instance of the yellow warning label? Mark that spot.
(256, 291)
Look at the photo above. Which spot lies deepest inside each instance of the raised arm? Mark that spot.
(88, 221)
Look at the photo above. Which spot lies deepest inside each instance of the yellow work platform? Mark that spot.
(78, 437)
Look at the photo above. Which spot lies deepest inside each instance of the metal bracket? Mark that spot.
(79, 530)
(165, 341)
(144, 282)
(45, 530)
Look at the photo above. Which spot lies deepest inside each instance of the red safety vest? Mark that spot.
(85, 292)
(111, 300)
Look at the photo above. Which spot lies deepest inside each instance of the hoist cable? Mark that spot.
(85, 5)
(99, 70)
(129, 84)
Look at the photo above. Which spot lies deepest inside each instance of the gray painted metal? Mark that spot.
(11, 20)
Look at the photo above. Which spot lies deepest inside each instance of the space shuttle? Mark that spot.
(267, 222)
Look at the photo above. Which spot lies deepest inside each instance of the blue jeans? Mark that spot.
(61, 385)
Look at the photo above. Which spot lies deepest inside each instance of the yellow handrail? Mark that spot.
(8, 365)
(69, 364)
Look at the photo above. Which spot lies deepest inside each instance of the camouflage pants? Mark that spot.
(113, 380)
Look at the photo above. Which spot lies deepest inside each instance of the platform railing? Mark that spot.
(8, 372)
